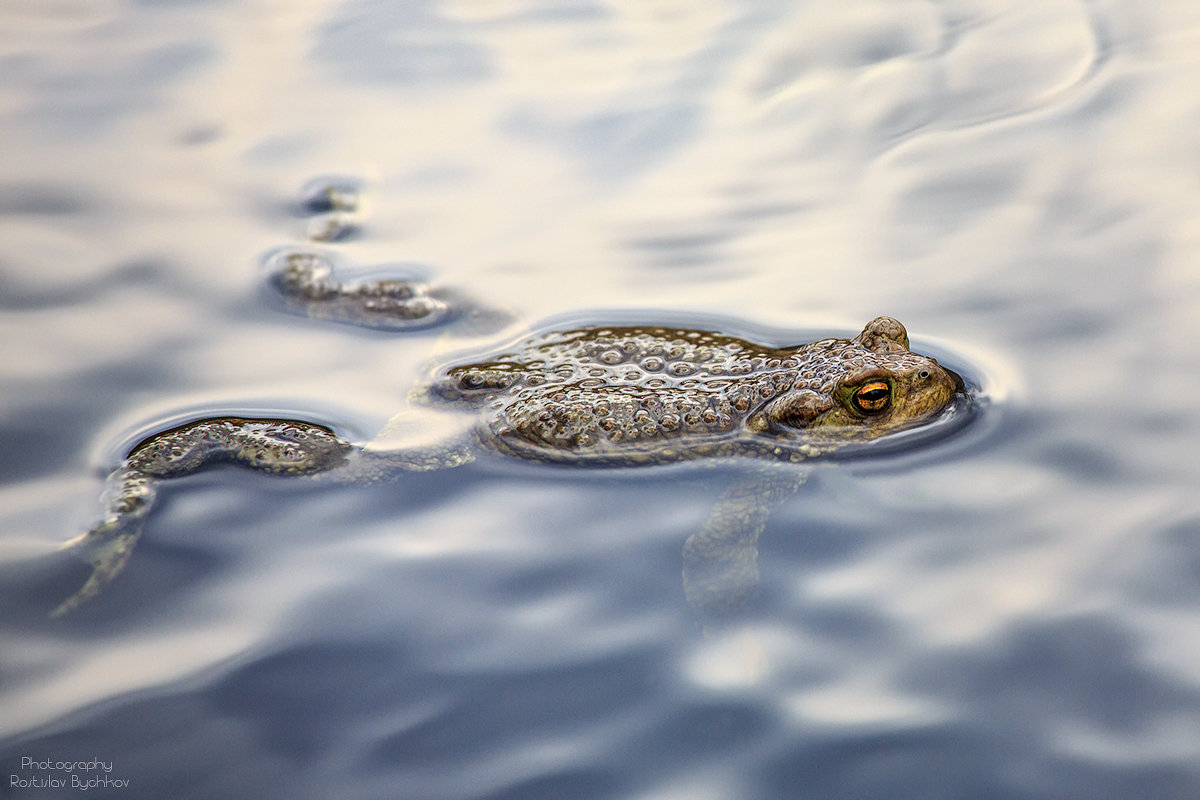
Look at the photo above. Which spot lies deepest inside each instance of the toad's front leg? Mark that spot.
(720, 561)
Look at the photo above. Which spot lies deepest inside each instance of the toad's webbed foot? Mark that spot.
(307, 282)
(332, 205)
(278, 446)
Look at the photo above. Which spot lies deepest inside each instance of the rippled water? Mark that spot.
(1009, 612)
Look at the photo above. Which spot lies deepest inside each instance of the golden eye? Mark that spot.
(872, 397)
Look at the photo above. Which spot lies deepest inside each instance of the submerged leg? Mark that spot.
(720, 561)
(416, 439)
(279, 446)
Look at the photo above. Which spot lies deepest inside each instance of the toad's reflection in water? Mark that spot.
(621, 396)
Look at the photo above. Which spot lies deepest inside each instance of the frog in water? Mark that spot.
(603, 396)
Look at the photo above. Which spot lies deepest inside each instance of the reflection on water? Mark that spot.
(1006, 614)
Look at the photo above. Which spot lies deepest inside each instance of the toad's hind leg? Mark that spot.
(278, 446)
(417, 439)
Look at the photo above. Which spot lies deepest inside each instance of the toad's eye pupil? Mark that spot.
(873, 397)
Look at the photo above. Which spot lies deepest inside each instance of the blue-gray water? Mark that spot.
(1010, 613)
